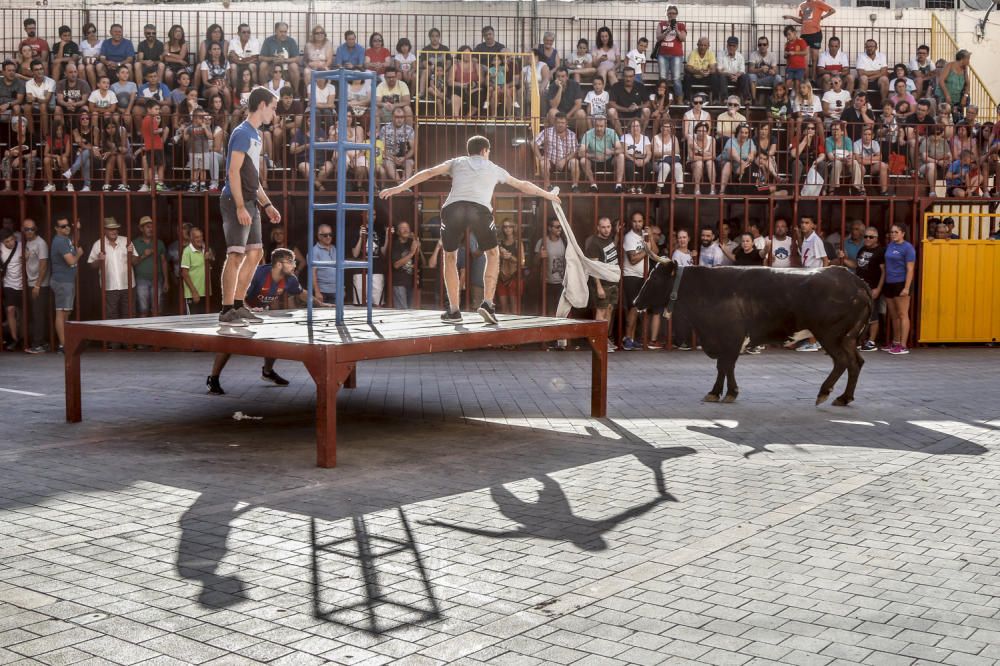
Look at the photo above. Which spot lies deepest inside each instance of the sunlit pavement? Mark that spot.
(477, 513)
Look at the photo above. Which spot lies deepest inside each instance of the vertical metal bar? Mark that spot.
(341, 237)
(311, 186)
(372, 114)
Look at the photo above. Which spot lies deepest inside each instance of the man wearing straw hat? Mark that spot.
(469, 207)
(110, 255)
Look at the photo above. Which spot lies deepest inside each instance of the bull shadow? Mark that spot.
(844, 435)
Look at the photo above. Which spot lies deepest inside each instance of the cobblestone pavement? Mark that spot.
(478, 514)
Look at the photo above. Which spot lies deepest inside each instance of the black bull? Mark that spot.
(731, 307)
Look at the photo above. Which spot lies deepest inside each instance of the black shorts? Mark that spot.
(461, 216)
(155, 157)
(892, 289)
(13, 297)
(814, 39)
(630, 288)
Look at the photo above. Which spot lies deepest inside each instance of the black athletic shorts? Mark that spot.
(631, 286)
(814, 39)
(460, 216)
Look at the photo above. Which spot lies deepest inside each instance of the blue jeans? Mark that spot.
(144, 297)
(670, 68)
(82, 164)
(402, 296)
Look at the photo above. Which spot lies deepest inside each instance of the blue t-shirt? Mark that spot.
(264, 289)
(347, 56)
(117, 52)
(326, 276)
(851, 248)
(897, 255)
(957, 173)
(245, 139)
(61, 271)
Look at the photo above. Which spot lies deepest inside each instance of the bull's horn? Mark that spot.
(653, 257)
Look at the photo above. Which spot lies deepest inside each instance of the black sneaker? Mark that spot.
(450, 317)
(488, 313)
(231, 318)
(274, 377)
(214, 387)
(244, 313)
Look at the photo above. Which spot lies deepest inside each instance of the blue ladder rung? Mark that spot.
(349, 74)
(363, 207)
(336, 145)
(347, 263)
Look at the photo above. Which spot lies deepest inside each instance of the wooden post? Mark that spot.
(599, 375)
(72, 348)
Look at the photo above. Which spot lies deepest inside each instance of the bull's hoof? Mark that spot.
(842, 401)
(711, 397)
(821, 398)
(730, 397)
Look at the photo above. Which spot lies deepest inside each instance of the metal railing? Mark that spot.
(943, 45)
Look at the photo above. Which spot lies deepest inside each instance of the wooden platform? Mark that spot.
(330, 352)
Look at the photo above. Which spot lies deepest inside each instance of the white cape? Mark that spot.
(579, 269)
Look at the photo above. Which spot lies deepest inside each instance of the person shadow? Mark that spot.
(550, 516)
(202, 547)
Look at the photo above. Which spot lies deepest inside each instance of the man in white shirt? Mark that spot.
(36, 264)
(780, 246)
(11, 259)
(873, 67)
(633, 272)
(921, 69)
(710, 253)
(835, 100)
(111, 255)
(834, 63)
(732, 70)
(38, 92)
(244, 52)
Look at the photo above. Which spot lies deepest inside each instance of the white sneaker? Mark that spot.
(144, 188)
(67, 174)
(85, 188)
(69, 187)
(49, 188)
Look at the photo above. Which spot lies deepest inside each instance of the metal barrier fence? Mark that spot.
(518, 33)
(943, 45)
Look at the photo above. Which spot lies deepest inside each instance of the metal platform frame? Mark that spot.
(341, 77)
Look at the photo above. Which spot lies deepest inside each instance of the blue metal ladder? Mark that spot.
(341, 78)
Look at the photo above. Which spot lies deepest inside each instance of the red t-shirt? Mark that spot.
(39, 47)
(671, 46)
(796, 61)
(152, 139)
(378, 55)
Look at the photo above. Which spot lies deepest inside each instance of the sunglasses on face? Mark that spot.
(733, 106)
(28, 230)
(697, 102)
(62, 226)
(324, 235)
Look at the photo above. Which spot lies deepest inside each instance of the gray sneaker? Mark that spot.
(231, 318)
(246, 315)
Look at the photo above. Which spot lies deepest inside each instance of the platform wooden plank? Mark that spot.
(331, 352)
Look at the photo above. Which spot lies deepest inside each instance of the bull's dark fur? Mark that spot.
(725, 305)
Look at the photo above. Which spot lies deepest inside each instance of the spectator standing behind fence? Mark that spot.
(150, 252)
(780, 247)
(36, 264)
(405, 257)
(551, 253)
(603, 295)
(64, 259)
(633, 274)
(900, 258)
(12, 270)
(953, 81)
(670, 38)
(811, 14)
(796, 55)
(110, 255)
(194, 265)
(869, 265)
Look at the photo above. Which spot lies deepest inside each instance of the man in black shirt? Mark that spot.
(918, 126)
(869, 265)
(565, 96)
(857, 117)
(628, 99)
(489, 43)
(604, 295)
(149, 55)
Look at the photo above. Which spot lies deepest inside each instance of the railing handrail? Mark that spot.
(979, 94)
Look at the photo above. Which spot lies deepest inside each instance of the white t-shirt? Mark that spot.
(103, 102)
(14, 277)
(781, 251)
(866, 64)
(636, 61)
(473, 178)
(39, 90)
(831, 97)
(325, 94)
(915, 66)
(636, 147)
(37, 250)
(632, 243)
(711, 255)
(812, 251)
(251, 48)
(834, 63)
(682, 259)
(597, 105)
(807, 109)
(405, 63)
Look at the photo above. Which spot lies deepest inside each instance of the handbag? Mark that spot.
(814, 183)
(897, 164)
